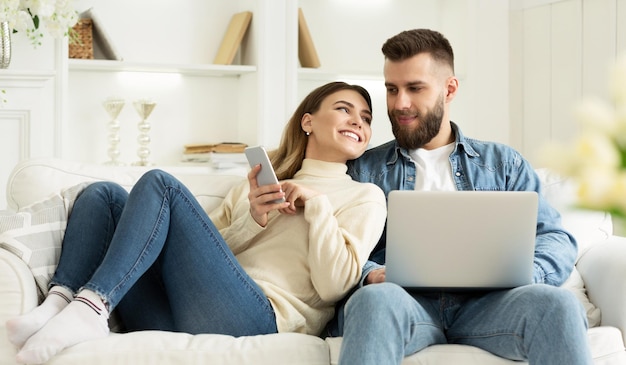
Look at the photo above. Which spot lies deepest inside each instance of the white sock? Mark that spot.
(84, 319)
(19, 329)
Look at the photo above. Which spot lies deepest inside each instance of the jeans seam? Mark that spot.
(147, 246)
(263, 300)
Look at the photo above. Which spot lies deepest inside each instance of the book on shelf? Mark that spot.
(232, 39)
(223, 147)
(224, 160)
(103, 47)
(219, 155)
(306, 49)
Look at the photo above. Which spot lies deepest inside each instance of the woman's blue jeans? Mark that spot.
(155, 255)
(541, 324)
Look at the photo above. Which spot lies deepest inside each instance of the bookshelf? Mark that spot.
(250, 100)
(184, 69)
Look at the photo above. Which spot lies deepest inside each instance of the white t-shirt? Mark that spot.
(433, 168)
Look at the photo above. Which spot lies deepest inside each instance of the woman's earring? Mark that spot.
(307, 133)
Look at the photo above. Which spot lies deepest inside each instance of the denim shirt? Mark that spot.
(476, 165)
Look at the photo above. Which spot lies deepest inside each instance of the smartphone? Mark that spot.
(257, 155)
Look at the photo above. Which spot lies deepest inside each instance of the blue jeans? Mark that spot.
(156, 256)
(538, 323)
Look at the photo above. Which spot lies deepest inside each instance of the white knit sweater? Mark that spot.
(306, 262)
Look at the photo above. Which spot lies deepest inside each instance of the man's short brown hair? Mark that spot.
(412, 42)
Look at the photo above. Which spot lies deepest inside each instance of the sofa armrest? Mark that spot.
(603, 268)
(18, 294)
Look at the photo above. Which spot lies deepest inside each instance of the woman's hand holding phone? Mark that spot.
(264, 198)
(266, 193)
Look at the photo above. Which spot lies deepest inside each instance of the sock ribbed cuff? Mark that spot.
(93, 301)
(58, 293)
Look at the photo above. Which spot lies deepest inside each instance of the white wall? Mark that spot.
(560, 52)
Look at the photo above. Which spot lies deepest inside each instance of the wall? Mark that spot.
(560, 52)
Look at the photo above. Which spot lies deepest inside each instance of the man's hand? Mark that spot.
(375, 276)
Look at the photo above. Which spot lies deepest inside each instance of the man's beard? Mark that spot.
(414, 137)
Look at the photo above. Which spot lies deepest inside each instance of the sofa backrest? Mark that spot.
(36, 179)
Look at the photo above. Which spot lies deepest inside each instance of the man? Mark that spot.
(383, 323)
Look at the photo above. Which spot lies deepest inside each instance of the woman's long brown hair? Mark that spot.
(287, 158)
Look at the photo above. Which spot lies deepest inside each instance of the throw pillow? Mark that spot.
(35, 234)
(576, 285)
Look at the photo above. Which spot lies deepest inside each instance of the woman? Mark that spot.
(250, 267)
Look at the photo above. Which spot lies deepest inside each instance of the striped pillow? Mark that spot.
(35, 234)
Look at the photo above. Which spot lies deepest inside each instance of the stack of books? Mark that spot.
(221, 155)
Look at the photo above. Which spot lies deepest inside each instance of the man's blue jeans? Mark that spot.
(541, 324)
(156, 256)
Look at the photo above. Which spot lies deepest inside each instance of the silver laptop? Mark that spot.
(461, 239)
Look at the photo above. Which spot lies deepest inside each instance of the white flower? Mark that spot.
(8, 11)
(596, 115)
(597, 150)
(42, 8)
(595, 186)
(596, 159)
(33, 17)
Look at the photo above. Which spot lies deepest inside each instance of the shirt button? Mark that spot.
(458, 174)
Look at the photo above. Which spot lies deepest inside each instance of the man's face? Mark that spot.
(415, 100)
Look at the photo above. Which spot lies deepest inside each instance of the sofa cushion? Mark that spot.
(576, 285)
(157, 347)
(605, 342)
(35, 233)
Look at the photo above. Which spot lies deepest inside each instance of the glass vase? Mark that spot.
(5, 45)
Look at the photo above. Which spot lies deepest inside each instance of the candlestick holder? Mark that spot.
(143, 107)
(113, 107)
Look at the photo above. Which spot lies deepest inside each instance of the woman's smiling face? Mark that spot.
(340, 130)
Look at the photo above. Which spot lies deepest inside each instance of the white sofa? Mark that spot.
(602, 265)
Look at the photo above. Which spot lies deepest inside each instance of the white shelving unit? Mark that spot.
(168, 48)
(197, 102)
(182, 69)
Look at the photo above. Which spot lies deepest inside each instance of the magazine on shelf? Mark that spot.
(217, 160)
